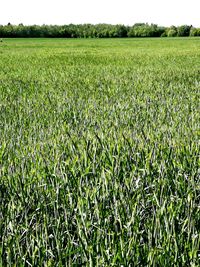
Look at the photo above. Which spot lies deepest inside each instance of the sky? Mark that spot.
(128, 12)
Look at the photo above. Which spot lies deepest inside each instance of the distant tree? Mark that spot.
(121, 31)
(95, 31)
(164, 34)
(139, 24)
(183, 30)
(172, 31)
(194, 31)
(145, 30)
(131, 32)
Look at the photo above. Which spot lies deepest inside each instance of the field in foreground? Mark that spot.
(99, 152)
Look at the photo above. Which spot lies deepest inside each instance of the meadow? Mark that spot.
(99, 152)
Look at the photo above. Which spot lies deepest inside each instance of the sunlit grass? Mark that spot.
(99, 152)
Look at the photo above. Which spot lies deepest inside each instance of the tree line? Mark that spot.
(96, 31)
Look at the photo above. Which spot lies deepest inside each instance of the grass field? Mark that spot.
(99, 152)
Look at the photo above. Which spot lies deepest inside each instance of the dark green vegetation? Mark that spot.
(96, 31)
(99, 152)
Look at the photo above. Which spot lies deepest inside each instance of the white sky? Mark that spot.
(128, 12)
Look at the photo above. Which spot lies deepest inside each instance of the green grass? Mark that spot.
(99, 152)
